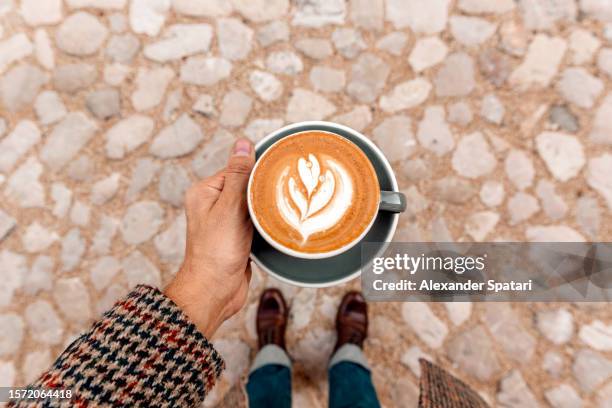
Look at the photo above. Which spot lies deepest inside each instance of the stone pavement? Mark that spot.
(497, 116)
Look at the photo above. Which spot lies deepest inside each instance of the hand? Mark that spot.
(213, 282)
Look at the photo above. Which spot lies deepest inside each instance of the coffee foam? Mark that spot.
(314, 192)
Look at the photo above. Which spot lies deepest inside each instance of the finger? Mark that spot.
(205, 193)
(237, 172)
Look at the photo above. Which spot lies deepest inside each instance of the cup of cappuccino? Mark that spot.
(314, 192)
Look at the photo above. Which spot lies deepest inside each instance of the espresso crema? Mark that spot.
(314, 192)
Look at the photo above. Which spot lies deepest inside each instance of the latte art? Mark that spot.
(327, 197)
(314, 192)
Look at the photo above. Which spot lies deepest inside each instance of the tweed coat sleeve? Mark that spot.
(144, 352)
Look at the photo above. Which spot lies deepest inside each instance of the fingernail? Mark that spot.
(242, 148)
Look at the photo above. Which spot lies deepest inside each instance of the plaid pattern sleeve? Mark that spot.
(144, 352)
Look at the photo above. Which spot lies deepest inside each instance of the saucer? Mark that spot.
(340, 268)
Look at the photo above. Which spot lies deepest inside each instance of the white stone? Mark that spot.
(73, 248)
(515, 393)
(43, 49)
(368, 14)
(579, 87)
(276, 31)
(213, 156)
(11, 334)
(591, 369)
(36, 12)
(62, 197)
(284, 62)
(117, 22)
(433, 133)
(315, 48)
(265, 85)
(598, 176)
(458, 312)
(348, 42)
(98, 4)
(302, 309)
(235, 38)
(358, 118)
(492, 193)
(72, 298)
(411, 358)
(422, 16)
(544, 14)
(393, 43)
(205, 71)
(556, 325)
(562, 153)
(203, 8)
(368, 78)
(13, 269)
(103, 271)
(179, 41)
(553, 233)
(552, 203)
(427, 52)
(486, 6)
(492, 109)
(24, 186)
(141, 221)
(552, 363)
(151, 86)
(260, 11)
(235, 353)
(258, 128)
(139, 270)
(20, 85)
(472, 157)
(456, 76)
(80, 34)
(170, 244)
(205, 105)
(597, 335)
(49, 107)
(71, 78)
(541, 63)
(113, 294)
(127, 135)
(235, 108)
(519, 169)
(425, 324)
(582, 46)
(35, 363)
(25, 135)
(327, 79)
(604, 61)
(471, 31)
(80, 213)
(588, 215)
(173, 182)
(44, 324)
(563, 396)
(479, 225)
(395, 138)
(115, 74)
(521, 206)
(39, 277)
(103, 237)
(311, 350)
(317, 13)
(601, 130)
(7, 374)
(14, 49)
(105, 189)
(67, 139)
(177, 139)
(142, 175)
(598, 9)
(123, 48)
(460, 113)
(7, 224)
(148, 16)
(307, 105)
(37, 238)
(406, 95)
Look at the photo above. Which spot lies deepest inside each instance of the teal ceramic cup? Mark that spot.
(316, 271)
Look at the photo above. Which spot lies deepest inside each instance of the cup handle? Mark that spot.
(392, 201)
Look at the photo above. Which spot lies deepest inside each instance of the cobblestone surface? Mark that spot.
(496, 114)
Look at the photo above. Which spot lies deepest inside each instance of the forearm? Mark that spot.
(143, 352)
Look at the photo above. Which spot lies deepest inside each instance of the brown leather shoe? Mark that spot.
(352, 320)
(272, 314)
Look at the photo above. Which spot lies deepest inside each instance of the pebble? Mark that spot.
(582, 45)
(474, 342)
(472, 157)
(72, 298)
(115, 74)
(358, 118)
(7, 374)
(166, 144)
(494, 66)
(123, 48)
(141, 221)
(601, 131)
(24, 136)
(205, 105)
(62, 198)
(515, 393)
(118, 22)
(67, 138)
(20, 85)
(471, 31)
(458, 312)
(506, 327)
(259, 11)
(105, 189)
(579, 87)
(235, 38)
(104, 103)
(588, 216)
(179, 41)
(127, 135)
(11, 335)
(284, 62)
(265, 85)
(416, 203)
(37, 13)
(327, 79)
(307, 105)
(348, 42)
(591, 369)
(598, 176)
(539, 15)
(80, 34)
(395, 138)
(562, 153)
(553, 204)
(604, 396)
(318, 13)
(479, 225)
(460, 113)
(540, 64)
(604, 61)
(73, 248)
(102, 239)
(148, 16)
(410, 358)
(393, 43)
(43, 323)
(556, 325)
(425, 324)
(71, 78)
(112, 295)
(235, 108)
(103, 271)
(367, 14)
(170, 244)
(173, 182)
(302, 309)
(35, 363)
(139, 270)
(519, 169)
(521, 206)
(563, 396)
(13, 269)
(259, 128)
(492, 109)
(235, 353)
(597, 335)
(49, 107)
(142, 175)
(553, 233)
(314, 349)
(552, 363)
(368, 77)
(98, 4)
(427, 52)
(205, 8)
(37, 238)
(597, 9)
(486, 6)
(213, 157)
(205, 71)
(39, 278)
(406, 95)
(456, 76)
(151, 86)
(43, 49)
(564, 118)
(433, 132)
(24, 187)
(421, 16)
(271, 33)
(13, 49)
(454, 190)
(7, 225)
(81, 169)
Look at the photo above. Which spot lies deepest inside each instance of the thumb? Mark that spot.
(238, 170)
